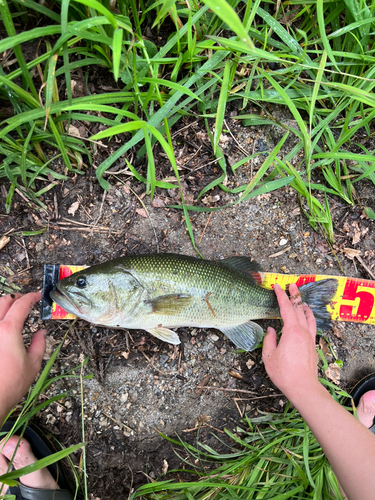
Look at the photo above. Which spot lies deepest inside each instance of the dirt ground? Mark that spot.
(141, 385)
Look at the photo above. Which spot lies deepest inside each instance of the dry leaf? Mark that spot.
(74, 131)
(357, 233)
(336, 330)
(333, 373)
(73, 208)
(50, 347)
(199, 389)
(202, 419)
(351, 253)
(324, 347)
(211, 199)
(158, 203)
(164, 469)
(4, 240)
(250, 363)
(141, 212)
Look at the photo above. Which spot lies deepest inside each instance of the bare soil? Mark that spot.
(141, 385)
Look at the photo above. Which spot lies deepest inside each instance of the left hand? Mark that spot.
(18, 366)
(292, 363)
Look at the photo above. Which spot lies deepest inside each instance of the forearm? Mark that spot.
(348, 445)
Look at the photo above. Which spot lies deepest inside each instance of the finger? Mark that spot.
(295, 299)
(310, 320)
(287, 311)
(269, 343)
(19, 311)
(36, 350)
(6, 302)
(4, 464)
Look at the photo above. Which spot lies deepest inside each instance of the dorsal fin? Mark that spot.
(245, 265)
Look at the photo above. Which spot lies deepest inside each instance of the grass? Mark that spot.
(30, 407)
(273, 457)
(316, 59)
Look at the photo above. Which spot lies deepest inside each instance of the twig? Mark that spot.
(280, 253)
(147, 367)
(87, 229)
(75, 222)
(99, 143)
(117, 422)
(56, 206)
(360, 260)
(203, 425)
(235, 140)
(207, 164)
(212, 388)
(101, 209)
(238, 408)
(205, 227)
(184, 128)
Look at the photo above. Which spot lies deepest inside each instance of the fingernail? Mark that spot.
(44, 333)
(277, 285)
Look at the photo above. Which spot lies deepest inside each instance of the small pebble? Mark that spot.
(283, 242)
(163, 359)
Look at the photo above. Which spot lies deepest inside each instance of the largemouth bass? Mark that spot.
(158, 292)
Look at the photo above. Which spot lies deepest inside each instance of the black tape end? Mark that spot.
(51, 274)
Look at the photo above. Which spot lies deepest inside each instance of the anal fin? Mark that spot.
(246, 336)
(165, 334)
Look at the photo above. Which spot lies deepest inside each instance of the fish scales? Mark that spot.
(232, 295)
(158, 292)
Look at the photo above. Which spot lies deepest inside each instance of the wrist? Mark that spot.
(304, 392)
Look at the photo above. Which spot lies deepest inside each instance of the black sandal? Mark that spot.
(40, 450)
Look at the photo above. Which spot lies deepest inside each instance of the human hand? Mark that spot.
(292, 364)
(18, 366)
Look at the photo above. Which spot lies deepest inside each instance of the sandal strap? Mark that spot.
(28, 493)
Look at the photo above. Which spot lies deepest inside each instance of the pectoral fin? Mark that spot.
(165, 334)
(169, 304)
(246, 336)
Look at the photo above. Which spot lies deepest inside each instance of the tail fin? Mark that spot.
(317, 295)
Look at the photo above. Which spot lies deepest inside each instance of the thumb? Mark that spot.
(36, 349)
(269, 343)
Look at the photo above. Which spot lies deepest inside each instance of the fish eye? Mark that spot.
(81, 282)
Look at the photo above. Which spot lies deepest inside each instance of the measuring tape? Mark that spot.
(354, 299)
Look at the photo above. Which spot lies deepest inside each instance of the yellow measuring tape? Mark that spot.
(354, 299)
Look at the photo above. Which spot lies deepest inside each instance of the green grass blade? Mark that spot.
(221, 106)
(116, 49)
(322, 30)
(317, 84)
(24, 154)
(226, 13)
(93, 4)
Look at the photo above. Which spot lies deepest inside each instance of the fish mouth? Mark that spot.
(71, 302)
